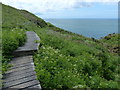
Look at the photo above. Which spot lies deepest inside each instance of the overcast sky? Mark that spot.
(68, 8)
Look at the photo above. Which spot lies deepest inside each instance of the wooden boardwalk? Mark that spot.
(22, 75)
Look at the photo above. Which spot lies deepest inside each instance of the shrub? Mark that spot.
(11, 40)
(59, 71)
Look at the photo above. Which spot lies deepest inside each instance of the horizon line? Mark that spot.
(80, 18)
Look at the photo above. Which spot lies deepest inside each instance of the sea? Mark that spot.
(93, 28)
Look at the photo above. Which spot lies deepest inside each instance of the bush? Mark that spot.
(59, 71)
(11, 40)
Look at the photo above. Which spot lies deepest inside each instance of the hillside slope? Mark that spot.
(12, 17)
(112, 42)
(14, 26)
(65, 60)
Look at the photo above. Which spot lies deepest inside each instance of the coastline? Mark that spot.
(91, 28)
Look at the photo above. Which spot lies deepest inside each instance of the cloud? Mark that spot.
(44, 6)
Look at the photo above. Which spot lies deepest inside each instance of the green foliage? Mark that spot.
(51, 65)
(14, 24)
(61, 58)
(50, 25)
(56, 70)
(65, 60)
(5, 65)
(12, 18)
(112, 43)
(11, 40)
(33, 19)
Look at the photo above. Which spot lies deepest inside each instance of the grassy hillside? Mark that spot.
(64, 60)
(12, 18)
(112, 42)
(14, 25)
(70, 61)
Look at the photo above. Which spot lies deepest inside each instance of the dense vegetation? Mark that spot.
(65, 60)
(14, 25)
(72, 61)
(10, 43)
(112, 42)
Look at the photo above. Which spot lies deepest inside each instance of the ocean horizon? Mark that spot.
(93, 28)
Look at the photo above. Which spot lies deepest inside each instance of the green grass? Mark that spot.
(14, 25)
(112, 42)
(10, 43)
(64, 63)
(65, 60)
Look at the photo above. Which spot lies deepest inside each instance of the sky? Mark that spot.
(68, 8)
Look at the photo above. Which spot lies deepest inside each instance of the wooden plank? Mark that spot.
(21, 76)
(19, 69)
(30, 46)
(18, 73)
(21, 65)
(27, 84)
(19, 81)
(21, 60)
(34, 87)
